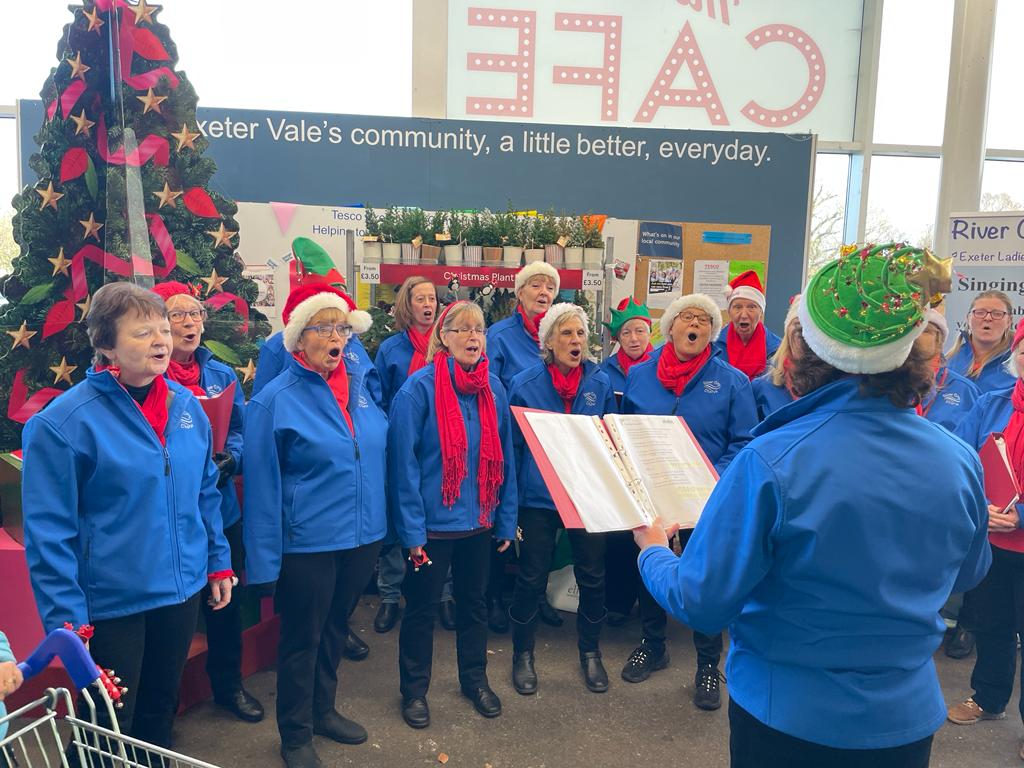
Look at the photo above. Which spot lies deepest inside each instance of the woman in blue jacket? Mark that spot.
(123, 526)
(954, 395)
(565, 382)
(802, 549)
(690, 378)
(770, 389)
(981, 349)
(315, 515)
(453, 489)
(194, 368)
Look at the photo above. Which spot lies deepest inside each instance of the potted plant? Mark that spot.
(576, 235)
(391, 250)
(456, 237)
(435, 235)
(372, 252)
(541, 233)
(412, 225)
(554, 253)
(510, 228)
(593, 245)
(490, 237)
(472, 235)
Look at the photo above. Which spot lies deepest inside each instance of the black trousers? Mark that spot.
(316, 592)
(470, 560)
(998, 605)
(654, 619)
(148, 651)
(620, 573)
(752, 744)
(224, 627)
(539, 527)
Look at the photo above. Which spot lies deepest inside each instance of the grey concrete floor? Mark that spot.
(563, 726)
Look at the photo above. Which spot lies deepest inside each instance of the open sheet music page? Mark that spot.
(585, 464)
(672, 467)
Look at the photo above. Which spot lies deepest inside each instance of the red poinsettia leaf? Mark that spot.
(198, 201)
(73, 164)
(148, 45)
(58, 318)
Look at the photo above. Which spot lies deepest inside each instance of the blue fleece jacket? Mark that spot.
(992, 377)
(511, 349)
(948, 404)
(310, 484)
(771, 344)
(717, 405)
(828, 548)
(115, 522)
(414, 464)
(768, 396)
(274, 358)
(533, 389)
(392, 363)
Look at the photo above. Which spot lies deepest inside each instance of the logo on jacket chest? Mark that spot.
(363, 402)
(214, 389)
(951, 398)
(712, 387)
(352, 356)
(590, 399)
(186, 421)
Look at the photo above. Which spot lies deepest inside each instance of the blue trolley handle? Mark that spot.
(72, 652)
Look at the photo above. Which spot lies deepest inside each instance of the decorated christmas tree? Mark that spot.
(123, 194)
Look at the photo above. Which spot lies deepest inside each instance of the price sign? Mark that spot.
(593, 279)
(370, 273)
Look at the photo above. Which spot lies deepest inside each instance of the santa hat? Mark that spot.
(1018, 336)
(699, 301)
(173, 288)
(628, 309)
(936, 318)
(532, 270)
(791, 313)
(309, 298)
(746, 285)
(549, 322)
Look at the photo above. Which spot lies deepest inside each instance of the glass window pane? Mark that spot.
(828, 209)
(1005, 107)
(8, 188)
(913, 71)
(902, 199)
(1002, 186)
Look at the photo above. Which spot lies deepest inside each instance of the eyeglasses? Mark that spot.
(460, 332)
(178, 315)
(995, 314)
(324, 331)
(689, 317)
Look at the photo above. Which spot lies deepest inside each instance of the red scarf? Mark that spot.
(673, 373)
(187, 374)
(338, 382)
(626, 362)
(419, 343)
(451, 431)
(566, 386)
(154, 407)
(1013, 433)
(531, 326)
(752, 357)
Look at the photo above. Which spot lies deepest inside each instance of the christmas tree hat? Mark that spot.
(862, 312)
(628, 309)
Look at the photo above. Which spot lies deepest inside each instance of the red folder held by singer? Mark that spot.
(218, 411)
(1002, 488)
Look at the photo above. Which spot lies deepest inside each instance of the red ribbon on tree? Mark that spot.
(241, 307)
(199, 202)
(21, 407)
(73, 164)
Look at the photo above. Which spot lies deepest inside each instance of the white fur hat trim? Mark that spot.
(547, 323)
(744, 292)
(307, 310)
(850, 359)
(937, 319)
(532, 270)
(693, 301)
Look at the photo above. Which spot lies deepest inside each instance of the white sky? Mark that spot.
(356, 57)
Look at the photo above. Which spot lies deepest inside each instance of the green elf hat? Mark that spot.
(627, 310)
(314, 260)
(862, 312)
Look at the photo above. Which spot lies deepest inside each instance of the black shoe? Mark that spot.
(644, 660)
(485, 701)
(242, 705)
(300, 757)
(416, 713)
(594, 674)
(497, 617)
(616, 619)
(961, 644)
(548, 614)
(340, 729)
(706, 692)
(355, 649)
(387, 617)
(447, 614)
(524, 676)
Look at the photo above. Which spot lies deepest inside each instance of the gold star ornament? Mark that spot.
(92, 227)
(82, 124)
(63, 371)
(144, 12)
(221, 236)
(78, 69)
(185, 137)
(167, 196)
(50, 197)
(214, 282)
(248, 371)
(60, 264)
(151, 101)
(935, 277)
(95, 22)
(21, 336)
(85, 306)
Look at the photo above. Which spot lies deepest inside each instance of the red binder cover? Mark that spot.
(1001, 485)
(566, 509)
(218, 411)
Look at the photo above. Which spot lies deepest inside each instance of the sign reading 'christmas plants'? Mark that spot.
(123, 194)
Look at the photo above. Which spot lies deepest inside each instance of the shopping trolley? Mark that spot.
(77, 739)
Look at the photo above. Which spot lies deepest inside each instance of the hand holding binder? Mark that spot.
(1002, 487)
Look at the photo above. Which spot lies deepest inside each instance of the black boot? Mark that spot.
(548, 614)
(355, 649)
(497, 617)
(387, 617)
(340, 729)
(243, 705)
(300, 757)
(594, 674)
(446, 612)
(524, 676)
